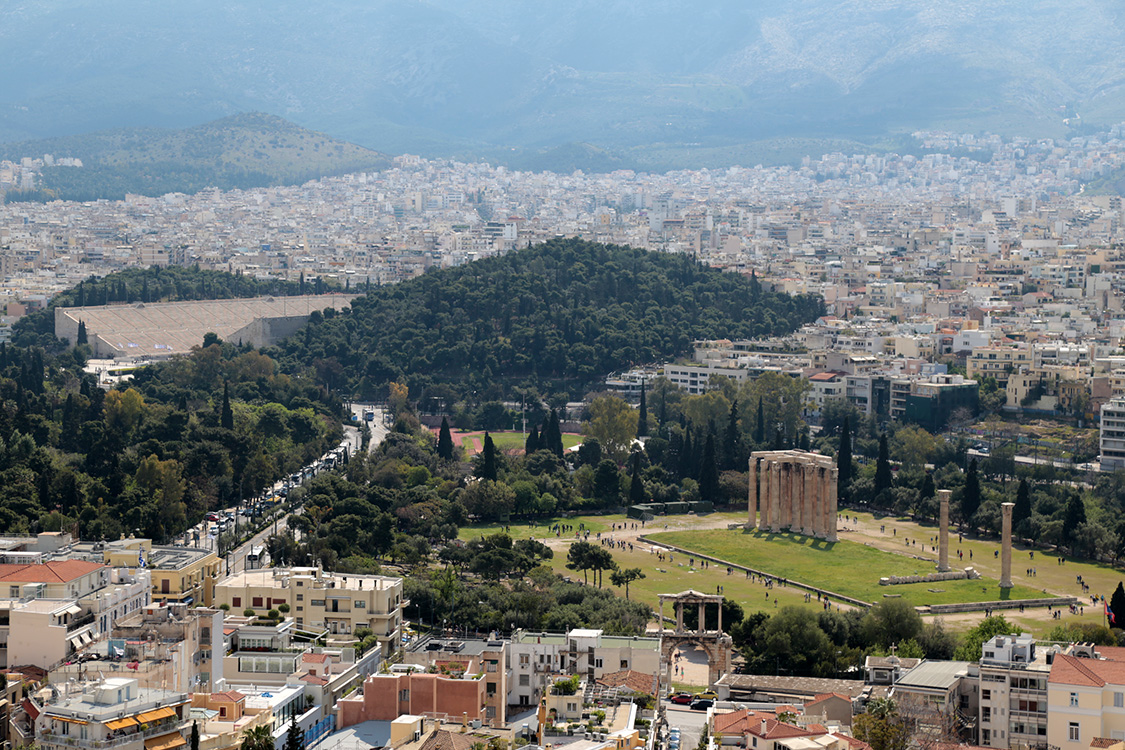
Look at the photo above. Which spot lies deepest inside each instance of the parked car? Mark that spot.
(701, 704)
(708, 694)
(681, 698)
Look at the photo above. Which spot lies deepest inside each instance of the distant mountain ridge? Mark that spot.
(241, 151)
(442, 77)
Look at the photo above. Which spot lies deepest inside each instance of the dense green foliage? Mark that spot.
(563, 313)
(238, 152)
(151, 458)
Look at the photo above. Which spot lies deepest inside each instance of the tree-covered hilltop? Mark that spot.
(560, 314)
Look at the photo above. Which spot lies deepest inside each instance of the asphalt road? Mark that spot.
(690, 723)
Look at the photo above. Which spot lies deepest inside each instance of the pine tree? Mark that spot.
(1022, 510)
(636, 484)
(487, 468)
(226, 420)
(1117, 606)
(883, 479)
(81, 338)
(844, 462)
(970, 496)
(733, 458)
(532, 443)
(928, 489)
(642, 415)
(709, 472)
(445, 441)
(760, 428)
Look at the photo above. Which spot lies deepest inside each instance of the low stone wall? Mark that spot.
(952, 575)
(948, 609)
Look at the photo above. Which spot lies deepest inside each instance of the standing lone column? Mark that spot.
(1006, 546)
(752, 517)
(943, 531)
(831, 477)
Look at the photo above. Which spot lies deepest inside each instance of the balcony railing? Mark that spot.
(67, 740)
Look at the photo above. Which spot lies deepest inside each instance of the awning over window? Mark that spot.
(69, 720)
(165, 742)
(116, 724)
(157, 715)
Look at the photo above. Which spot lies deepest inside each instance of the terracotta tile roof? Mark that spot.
(1111, 653)
(750, 722)
(1103, 742)
(314, 680)
(229, 695)
(1072, 670)
(32, 711)
(56, 571)
(638, 682)
(315, 658)
(852, 742)
(826, 696)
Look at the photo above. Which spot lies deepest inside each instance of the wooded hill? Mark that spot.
(557, 316)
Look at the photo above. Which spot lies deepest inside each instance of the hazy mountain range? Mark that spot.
(473, 77)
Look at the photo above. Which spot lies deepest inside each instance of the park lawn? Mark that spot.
(1060, 580)
(844, 567)
(540, 529)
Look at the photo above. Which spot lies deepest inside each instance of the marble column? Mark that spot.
(752, 501)
(661, 620)
(764, 494)
(702, 623)
(1006, 545)
(817, 500)
(831, 477)
(679, 617)
(786, 495)
(943, 530)
(775, 496)
(808, 496)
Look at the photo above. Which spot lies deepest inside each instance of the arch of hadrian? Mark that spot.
(793, 490)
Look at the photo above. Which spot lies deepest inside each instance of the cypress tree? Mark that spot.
(844, 461)
(445, 441)
(685, 465)
(709, 472)
(294, 738)
(1117, 606)
(663, 418)
(732, 441)
(487, 468)
(928, 489)
(636, 484)
(226, 420)
(1022, 510)
(81, 338)
(778, 439)
(642, 416)
(883, 478)
(532, 443)
(760, 427)
(970, 497)
(1073, 518)
(551, 437)
(194, 744)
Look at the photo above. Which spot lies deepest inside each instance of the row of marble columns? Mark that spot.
(679, 608)
(793, 490)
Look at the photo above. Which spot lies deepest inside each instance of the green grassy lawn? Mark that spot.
(509, 440)
(844, 567)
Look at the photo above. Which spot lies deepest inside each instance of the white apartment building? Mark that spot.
(1112, 442)
(1013, 692)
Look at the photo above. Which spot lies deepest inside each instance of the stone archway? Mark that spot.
(715, 643)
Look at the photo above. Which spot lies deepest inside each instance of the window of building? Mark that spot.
(236, 601)
(598, 663)
(525, 680)
(985, 736)
(986, 695)
(624, 663)
(986, 714)
(317, 602)
(404, 695)
(257, 602)
(14, 592)
(1072, 733)
(1119, 700)
(490, 688)
(300, 597)
(525, 659)
(1074, 699)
